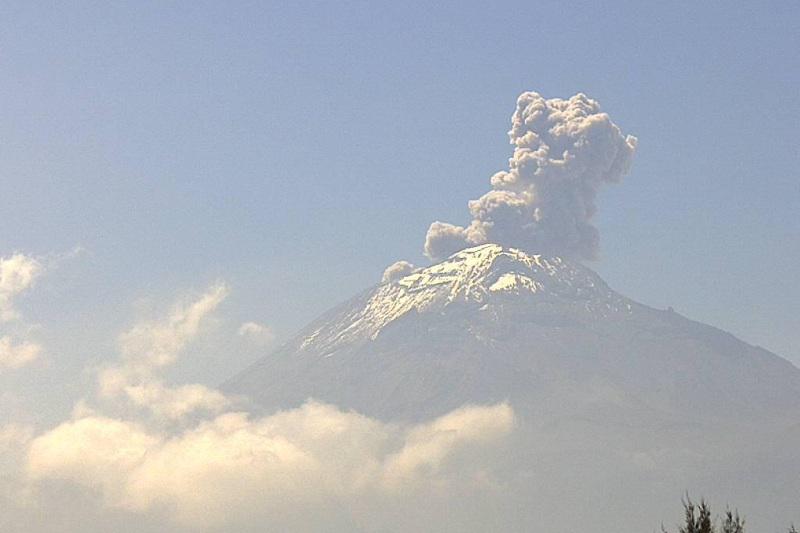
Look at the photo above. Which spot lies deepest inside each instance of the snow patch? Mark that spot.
(476, 275)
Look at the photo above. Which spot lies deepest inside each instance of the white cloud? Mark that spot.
(294, 470)
(95, 451)
(17, 274)
(100, 452)
(256, 333)
(281, 467)
(174, 403)
(15, 355)
(153, 456)
(428, 446)
(149, 346)
(13, 436)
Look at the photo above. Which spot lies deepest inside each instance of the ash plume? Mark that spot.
(397, 270)
(564, 151)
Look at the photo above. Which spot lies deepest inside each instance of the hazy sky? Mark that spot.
(185, 184)
(296, 149)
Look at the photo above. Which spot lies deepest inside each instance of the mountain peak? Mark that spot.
(492, 323)
(474, 274)
(488, 276)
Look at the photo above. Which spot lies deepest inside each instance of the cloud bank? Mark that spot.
(564, 151)
(185, 453)
(277, 467)
(142, 454)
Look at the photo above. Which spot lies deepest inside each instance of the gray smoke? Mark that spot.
(397, 270)
(564, 150)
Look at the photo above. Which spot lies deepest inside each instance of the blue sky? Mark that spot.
(295, 149)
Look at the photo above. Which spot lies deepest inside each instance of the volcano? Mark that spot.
(621, 408)
(547, 335)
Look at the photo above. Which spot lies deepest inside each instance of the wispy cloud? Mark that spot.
(17, 354)
(18, 274)
(256, 333)
(223, 468)
(150, 346)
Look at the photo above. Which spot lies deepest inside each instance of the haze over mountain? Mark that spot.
(608, 393)
(618, 407)
(492, 324)
(186, 185)
(506, 387)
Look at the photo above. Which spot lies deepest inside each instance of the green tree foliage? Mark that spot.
(731, 523)
(697, 519)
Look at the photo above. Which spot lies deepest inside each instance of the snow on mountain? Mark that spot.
(493, 323)
(620, 407)
(481, 275)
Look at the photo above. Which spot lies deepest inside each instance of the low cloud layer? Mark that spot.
(564, 151)
(275, 468)
(142, 454)
(185, 454)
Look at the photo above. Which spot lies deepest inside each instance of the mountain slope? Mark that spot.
(492, 324)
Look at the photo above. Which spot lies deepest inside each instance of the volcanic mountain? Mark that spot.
(493, 324)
